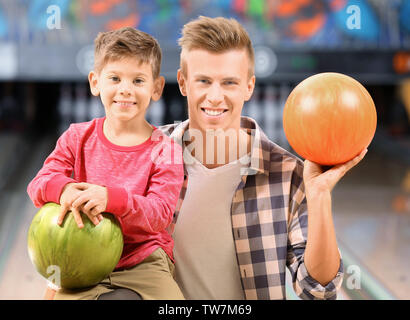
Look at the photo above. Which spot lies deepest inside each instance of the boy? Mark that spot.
(114, 169)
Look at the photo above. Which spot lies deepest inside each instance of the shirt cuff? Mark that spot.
(314, 289)
(117, 201)
(55, 187)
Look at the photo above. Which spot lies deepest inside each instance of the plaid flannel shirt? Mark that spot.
(269, 220)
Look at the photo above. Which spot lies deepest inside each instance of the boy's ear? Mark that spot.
(181, 82)
(93, 80)
(159, 84)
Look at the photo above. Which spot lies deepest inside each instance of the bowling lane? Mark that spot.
(18, 278)
(367, 227)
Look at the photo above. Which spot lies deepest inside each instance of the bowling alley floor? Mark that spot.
(368, 228)
(370, 233)
(18, 278)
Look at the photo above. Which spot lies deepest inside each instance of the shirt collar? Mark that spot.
(260, 146)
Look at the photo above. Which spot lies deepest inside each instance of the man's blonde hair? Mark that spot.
(215, 35)
(125, 43)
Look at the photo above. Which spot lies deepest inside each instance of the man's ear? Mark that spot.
(181, 82)
(159, 84)
(93, 80)
(250, 87)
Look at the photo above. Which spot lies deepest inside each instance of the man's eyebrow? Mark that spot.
(231, 79)
(203, 76)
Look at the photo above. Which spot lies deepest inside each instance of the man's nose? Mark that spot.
(215, 94)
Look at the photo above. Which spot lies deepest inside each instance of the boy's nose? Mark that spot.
(125, 89)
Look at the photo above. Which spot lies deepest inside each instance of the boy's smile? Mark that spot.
(125, 104)
(126, 87)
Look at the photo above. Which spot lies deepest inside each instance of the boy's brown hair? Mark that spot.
(127, 42)
(215, 35)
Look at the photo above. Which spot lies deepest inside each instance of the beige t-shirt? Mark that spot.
(206, 264)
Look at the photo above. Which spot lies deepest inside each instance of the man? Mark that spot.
(248, 208)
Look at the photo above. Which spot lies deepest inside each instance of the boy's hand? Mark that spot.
(93, 200)
(70, 193)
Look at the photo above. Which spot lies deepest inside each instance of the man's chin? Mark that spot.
(210, 125)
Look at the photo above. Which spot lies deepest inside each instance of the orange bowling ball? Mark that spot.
(329, 118)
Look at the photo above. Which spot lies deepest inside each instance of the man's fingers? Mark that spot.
(350, 164)
(338, 171)
(360, 156)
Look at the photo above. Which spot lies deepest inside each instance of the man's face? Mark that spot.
(216, 86)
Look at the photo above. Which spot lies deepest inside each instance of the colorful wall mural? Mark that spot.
(282, 23)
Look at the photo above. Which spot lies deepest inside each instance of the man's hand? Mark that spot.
(93, 200)
(70, 193)
(322, 258)
(318, 180)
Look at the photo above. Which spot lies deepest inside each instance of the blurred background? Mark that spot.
(46, 52)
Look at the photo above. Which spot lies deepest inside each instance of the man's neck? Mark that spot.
(219, 147)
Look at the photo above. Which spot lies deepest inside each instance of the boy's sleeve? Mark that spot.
(55, 173)
(304, 285)
(154, 211)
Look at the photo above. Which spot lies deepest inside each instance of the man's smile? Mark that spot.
(214, 112)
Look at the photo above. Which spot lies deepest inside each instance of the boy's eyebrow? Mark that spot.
(136, 74)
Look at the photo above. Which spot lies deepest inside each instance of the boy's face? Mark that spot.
(126, 87)
(216, 86)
